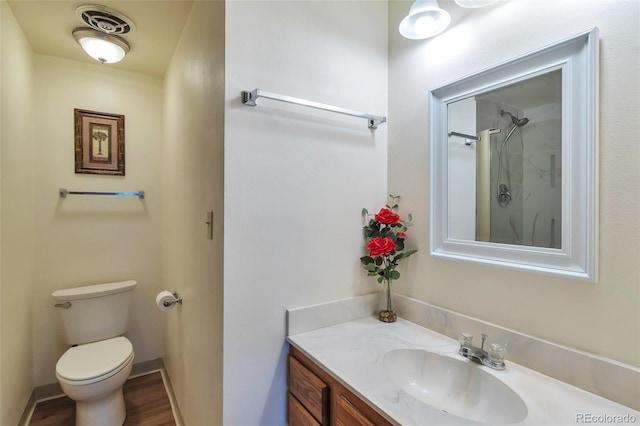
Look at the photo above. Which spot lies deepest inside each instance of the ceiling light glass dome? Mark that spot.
(426, 19)
(105, 48)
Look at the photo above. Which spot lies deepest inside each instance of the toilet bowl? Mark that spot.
(93, 370)
(92, 375)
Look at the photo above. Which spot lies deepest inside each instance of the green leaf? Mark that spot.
(394, 275)
(409, 253)
(365, 212)
(378, 261)
(366, 260)
(410, 217)
(370, 267)
(380, 279)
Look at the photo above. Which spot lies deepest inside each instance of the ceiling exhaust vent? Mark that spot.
(106, 20)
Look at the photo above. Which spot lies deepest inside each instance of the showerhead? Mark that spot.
(515, 120)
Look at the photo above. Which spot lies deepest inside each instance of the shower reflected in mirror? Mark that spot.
(507, 186)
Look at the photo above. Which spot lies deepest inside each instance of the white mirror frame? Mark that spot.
(578, 258)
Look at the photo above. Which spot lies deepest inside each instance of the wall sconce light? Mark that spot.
(425, 19)
(473, 3)
(103, 47)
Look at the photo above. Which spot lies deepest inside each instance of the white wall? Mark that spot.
(16, 213)
(193, 184)
(592, 317)
(296, 179)
(84, 240)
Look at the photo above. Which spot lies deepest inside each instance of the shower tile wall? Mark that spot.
(543, 176)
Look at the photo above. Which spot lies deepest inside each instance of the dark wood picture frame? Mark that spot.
(99, 143)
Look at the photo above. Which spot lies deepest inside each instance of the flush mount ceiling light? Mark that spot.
(471, 4)
(102, 41)
(425, 19)
(102, 47)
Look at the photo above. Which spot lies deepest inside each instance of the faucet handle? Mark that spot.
(465, 339)
(497, 353)
(484, 337)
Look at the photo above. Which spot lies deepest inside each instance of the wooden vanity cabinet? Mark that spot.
(316, 398)
(307, 392)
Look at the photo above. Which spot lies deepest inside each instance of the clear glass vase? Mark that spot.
(387, 314)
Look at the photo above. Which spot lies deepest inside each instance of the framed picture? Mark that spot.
(99, 143)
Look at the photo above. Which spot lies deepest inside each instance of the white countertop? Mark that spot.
(352, 353)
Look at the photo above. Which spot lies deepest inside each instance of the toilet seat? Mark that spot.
(94, 362)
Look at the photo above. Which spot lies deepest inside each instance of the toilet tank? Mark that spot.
(95, 312)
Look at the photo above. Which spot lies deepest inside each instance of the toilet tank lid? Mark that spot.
(96, 290)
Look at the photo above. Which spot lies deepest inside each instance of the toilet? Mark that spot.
(93, 371)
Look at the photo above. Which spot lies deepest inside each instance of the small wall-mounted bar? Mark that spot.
(250, 98)
(177, 299)
(64, 192)
(468, 138)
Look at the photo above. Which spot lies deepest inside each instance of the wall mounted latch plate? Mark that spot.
(209, 223)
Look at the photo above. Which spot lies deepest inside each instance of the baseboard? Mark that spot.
(177, 415)
(28, 411)
(146, 367)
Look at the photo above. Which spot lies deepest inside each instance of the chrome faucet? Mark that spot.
(493, 359)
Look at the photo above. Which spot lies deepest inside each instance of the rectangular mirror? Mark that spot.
(514, 162)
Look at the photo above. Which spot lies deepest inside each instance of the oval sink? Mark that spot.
(456, 386)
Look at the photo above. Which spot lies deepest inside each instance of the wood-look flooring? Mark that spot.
(145, 398)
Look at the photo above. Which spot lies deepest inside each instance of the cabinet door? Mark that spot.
(348, 415)
(309, 389)
(325, 398)
(298, 415)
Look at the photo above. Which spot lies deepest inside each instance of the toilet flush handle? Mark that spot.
(65, 305)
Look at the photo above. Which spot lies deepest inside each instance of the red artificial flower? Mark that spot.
(387, 217)
(381, 246)
(401, 235)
